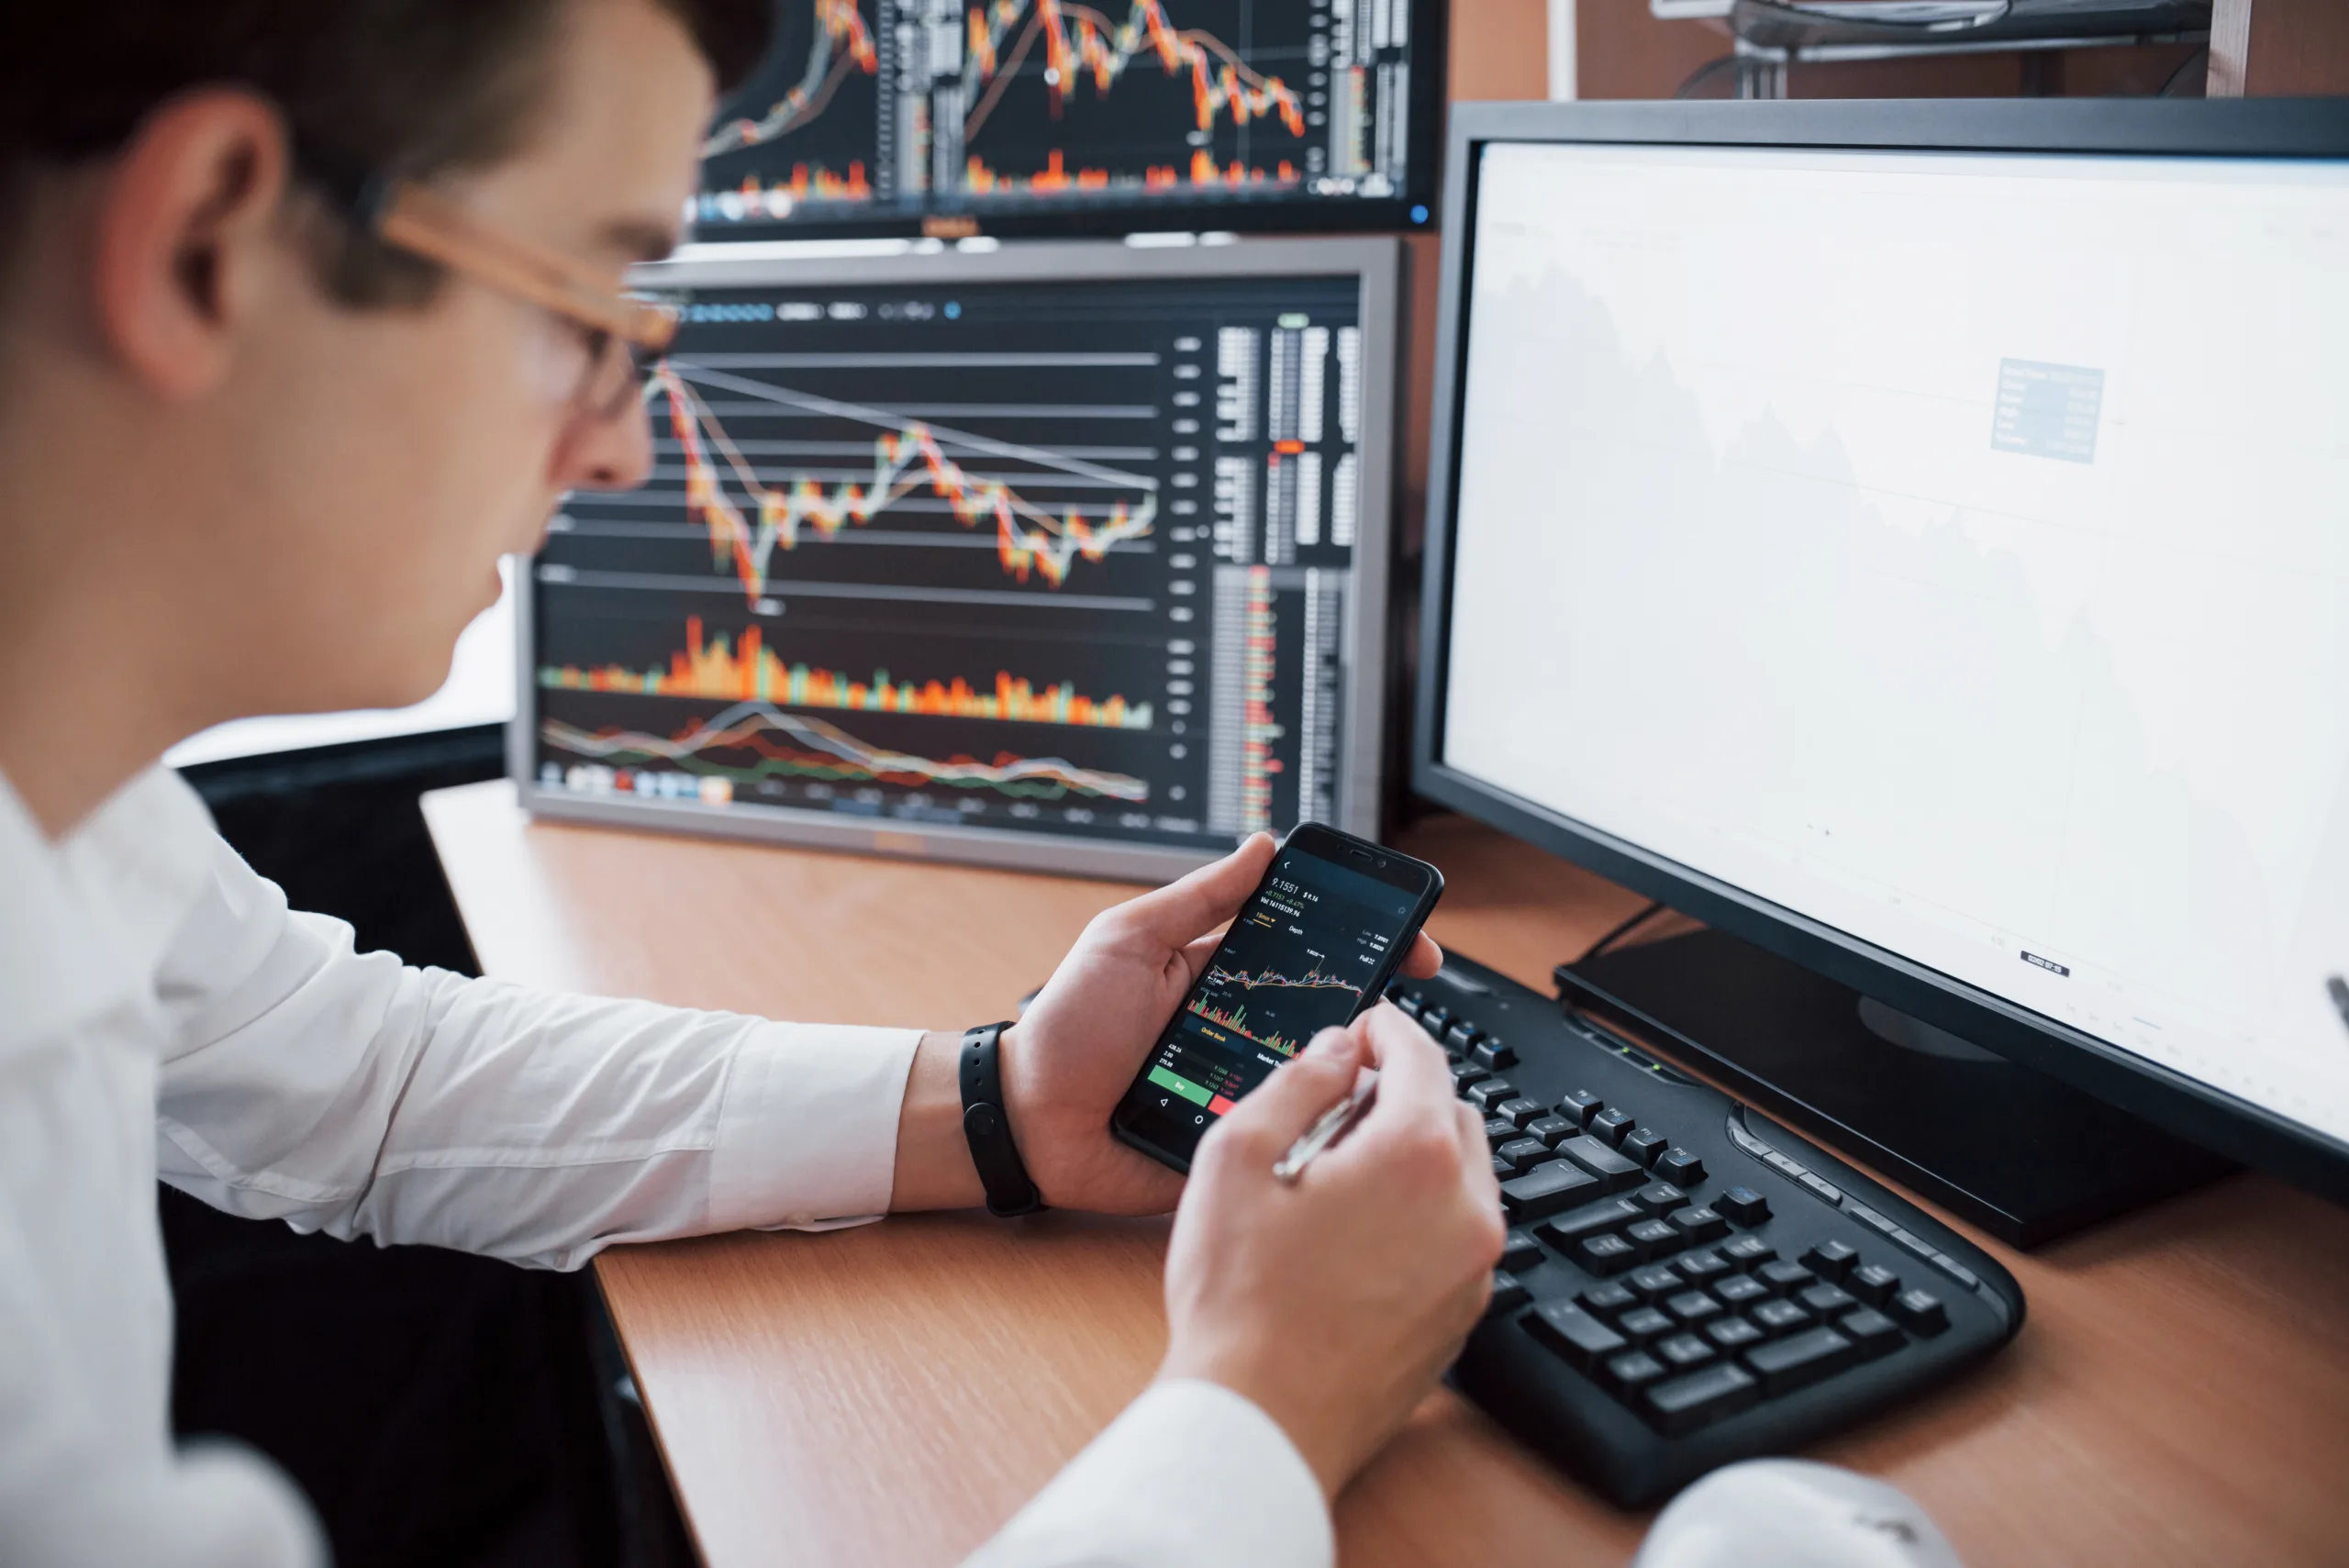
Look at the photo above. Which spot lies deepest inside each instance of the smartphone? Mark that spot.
(1314, 945)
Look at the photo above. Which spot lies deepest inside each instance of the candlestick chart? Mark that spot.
(907, 457)
(870, 111)
(969, 553)
(805, 120)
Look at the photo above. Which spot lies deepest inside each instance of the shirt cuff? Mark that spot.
(1133, 1498)
(807, 1132)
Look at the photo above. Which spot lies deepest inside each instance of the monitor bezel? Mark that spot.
(2308, 128)
(1376, 263)
(1423, 158)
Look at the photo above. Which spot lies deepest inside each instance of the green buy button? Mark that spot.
(1182, 1086)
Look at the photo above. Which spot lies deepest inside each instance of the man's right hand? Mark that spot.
(1334, 1304)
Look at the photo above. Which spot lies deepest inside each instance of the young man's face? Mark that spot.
(400, 452)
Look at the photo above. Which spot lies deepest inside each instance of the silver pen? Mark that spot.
(1332, 1124)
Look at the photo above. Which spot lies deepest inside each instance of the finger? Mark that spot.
(1180, 912)
(1293, 1099)
(1424, 959)
(1411, 1068)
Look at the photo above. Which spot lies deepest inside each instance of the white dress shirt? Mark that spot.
(163, 1014)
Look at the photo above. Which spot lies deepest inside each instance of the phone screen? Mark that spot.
(1311, 948)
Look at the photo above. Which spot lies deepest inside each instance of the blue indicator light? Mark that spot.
(1418, 215)
(953, 310)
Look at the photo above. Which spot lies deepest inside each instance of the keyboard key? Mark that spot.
(1605, 1255)
(1778, 1317)
(1831, 1259)
(1462, 1035)
(1568, 1229)
(1583, 1340)
(1747, 1251)
(1488, 1095)
(1402, 997)
(1692, 1308)
(1741, 1290)
(1520, 1251)
(1680, 1165)
(1580, 1106)
(1498, 1130)
(1520, 1110)
(1465, 1074)
(1744, 1205)
(1958, 1271)
(1606, 1300)
(1827, 1300)
(1614, 1172)
(1874, 1333)
(1493, 1053)
(1507, 1293)
(1654, 1237)
(1700, 1225)
(1701, 1268)
(1660, 1197)
(1873, 1282)
(1633, 1369)
(1525, 1153)
(1545, 1190)
(1821, 1188)
(1919, 1312)
(1734, 1334)
(1654, 1282)
(1682, 1405)
(1552, 1130)
(1644, 1144)
(1784, 1276)
(1802, 1360)
(1641, 1324)
(1682, 1351)
(1503, 1169)
(1435, 1020)
(1610, 1127)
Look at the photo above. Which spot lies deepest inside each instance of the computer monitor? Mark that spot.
(1037, 116)
(1914, 539)
(1070, 557)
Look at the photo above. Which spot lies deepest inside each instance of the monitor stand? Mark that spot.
(1995, 1142)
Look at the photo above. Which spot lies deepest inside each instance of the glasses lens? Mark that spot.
(615, 375)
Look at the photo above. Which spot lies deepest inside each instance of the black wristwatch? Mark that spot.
(1001, 1171)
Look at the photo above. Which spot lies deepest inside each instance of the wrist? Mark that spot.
(933, 1166)
(1326, 1447)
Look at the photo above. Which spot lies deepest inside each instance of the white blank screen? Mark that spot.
(1952, 548)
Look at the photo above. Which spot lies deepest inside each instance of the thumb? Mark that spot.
(1175, 914)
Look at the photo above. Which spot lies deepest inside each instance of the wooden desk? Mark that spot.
(889, 1396)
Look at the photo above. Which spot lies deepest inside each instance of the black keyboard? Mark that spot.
(1685, 1283)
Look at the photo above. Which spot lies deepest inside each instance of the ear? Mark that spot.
(183, 228)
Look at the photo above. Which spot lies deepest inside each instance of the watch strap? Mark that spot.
(987, 1127)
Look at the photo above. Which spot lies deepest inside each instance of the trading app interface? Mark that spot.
(873, 110)
(1299, 958)
(1068, 557)
(2010, 623)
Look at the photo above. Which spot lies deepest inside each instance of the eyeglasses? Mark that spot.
(625, 336)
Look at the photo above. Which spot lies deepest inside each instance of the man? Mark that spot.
(309, 313)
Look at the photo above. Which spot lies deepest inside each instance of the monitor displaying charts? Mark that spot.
(1049, 116)
(1073, 559)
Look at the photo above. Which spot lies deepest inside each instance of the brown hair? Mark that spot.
(414, 86)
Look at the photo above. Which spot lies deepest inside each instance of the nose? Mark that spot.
(609, 451)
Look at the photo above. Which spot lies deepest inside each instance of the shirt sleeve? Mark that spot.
(1192, 1475)
(351, 1094)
